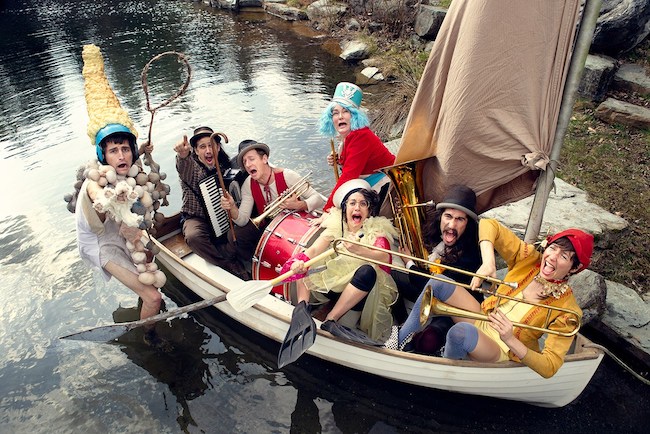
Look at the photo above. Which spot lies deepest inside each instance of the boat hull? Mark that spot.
(512, 381)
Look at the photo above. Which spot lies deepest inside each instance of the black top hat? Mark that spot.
(200, 132)
(247, 145)
(462, 198)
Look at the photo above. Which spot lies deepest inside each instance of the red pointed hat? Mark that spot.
(583, 244)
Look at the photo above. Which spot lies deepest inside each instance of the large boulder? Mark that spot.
(598, 74)
(614, 111)
(590, 291)
(631, 77)
(626, 321)
(621, 26)
(354, 50)
(326, 10)
(428, 21)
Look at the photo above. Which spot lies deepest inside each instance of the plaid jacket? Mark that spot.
(190, 172)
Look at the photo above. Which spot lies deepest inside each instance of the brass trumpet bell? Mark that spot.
(432, 306)
(272, 209)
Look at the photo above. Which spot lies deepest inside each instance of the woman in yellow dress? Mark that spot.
(361, 290)
(541, 278)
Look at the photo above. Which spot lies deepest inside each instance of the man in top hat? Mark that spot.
(196, 159)
(360, 153)
(263, 185)
(452, 238)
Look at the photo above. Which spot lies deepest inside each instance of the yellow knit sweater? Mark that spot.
(523, 265)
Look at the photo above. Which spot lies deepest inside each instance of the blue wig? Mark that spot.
(326, 126)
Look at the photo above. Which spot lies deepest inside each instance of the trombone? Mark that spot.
(273, 208)
(490, 279)
(432, 306)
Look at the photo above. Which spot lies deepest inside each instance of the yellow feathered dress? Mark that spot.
(376, 317)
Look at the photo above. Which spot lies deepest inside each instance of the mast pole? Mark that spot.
(576, 67)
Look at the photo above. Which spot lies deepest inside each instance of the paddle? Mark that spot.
(113, 331)
(300, 336)
(252, 291)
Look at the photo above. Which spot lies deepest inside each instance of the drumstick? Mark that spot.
(221, 183)
(335, 165)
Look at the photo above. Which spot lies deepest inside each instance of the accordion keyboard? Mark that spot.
(211, 193)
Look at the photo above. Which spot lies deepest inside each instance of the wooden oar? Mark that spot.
(113, 331)
(252, 291)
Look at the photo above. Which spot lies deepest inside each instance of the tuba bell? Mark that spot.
(407, 209)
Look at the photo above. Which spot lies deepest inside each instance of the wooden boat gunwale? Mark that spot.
(330, 348)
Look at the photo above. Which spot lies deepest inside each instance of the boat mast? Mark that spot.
(576, 67)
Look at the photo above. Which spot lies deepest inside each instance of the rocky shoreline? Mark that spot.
(614, 314)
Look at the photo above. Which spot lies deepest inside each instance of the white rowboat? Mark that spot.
(271, 317)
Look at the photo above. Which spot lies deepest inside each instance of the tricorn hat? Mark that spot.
(462, 198)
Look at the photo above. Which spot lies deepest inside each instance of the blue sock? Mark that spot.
(461, 340)
(441, 290)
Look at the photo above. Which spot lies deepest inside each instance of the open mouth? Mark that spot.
(252, 172)
(450, 236)
(547, 268)
(209, 159)
(123, 166)
(357, 218)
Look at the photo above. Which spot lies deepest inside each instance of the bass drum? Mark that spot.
(288, 234)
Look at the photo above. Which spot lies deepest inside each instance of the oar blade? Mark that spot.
(300, 336)
(100, 334)
(111, 332)
(248, 294)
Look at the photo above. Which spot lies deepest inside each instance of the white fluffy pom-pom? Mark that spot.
(160, 279)
(133, 171)
(139, 257)
(111, 176)
(147, 278)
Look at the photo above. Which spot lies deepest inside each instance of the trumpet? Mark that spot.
(490, 279)
(432, 306)
(273, 208)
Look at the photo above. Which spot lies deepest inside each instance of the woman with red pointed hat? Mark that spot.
(541, 277)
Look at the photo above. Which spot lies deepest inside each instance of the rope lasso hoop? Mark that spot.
(161, 189)
(145, 71)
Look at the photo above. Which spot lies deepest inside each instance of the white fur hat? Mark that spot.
(346, 188)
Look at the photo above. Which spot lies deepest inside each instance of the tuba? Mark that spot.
(407, 209)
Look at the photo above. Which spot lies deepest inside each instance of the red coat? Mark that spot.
(363, 154)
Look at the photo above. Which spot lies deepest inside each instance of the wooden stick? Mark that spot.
(335, 165)
(215, 143)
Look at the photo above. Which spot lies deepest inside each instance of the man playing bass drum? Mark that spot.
(262, 187)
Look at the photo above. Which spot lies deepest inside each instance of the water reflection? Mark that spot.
(181, 364)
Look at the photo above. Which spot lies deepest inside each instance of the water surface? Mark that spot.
(253, 76)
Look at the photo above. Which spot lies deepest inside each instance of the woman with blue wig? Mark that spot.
(360, 153)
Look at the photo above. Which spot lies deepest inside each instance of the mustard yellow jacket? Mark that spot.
(523, 265)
